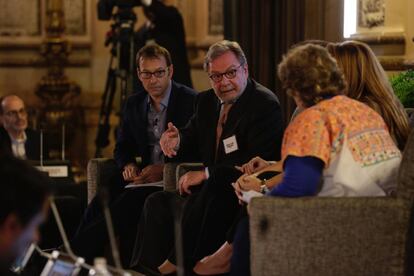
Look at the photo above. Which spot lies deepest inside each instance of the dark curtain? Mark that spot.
(265, 30)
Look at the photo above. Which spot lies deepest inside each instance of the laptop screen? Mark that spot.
(62, 268)
(61, 265)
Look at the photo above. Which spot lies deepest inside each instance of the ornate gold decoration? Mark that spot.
(58, 94)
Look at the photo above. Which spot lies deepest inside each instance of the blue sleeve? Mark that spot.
(301, 177)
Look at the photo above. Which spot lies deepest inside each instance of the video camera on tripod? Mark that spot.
(105, 7)
(121, 37)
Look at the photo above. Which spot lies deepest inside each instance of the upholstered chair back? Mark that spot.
(405, 188)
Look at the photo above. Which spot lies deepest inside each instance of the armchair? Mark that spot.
(336, 236)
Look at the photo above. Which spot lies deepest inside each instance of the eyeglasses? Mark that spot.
(147, 75)
(230, 74)
(15, 113)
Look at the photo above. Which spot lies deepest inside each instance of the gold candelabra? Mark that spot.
(59, 95)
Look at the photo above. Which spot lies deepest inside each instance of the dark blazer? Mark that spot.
(32, 145)
(255, 120)
(132, 138)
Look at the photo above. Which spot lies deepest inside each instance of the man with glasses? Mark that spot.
(234, 121)
(147, 114)
(145, 118)
(15, 136)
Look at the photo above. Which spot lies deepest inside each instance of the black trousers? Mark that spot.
(92, 236)
(240, 261)
(242, 214)
(94, 208)
(207, 216)
(155, 236)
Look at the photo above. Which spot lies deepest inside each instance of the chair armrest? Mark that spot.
(169, 176)
(173, 172)
(329, 236)
(99, 172)
(183, 168)
(186, 167)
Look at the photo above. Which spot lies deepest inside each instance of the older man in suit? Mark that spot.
(15, 136)
(234, 121)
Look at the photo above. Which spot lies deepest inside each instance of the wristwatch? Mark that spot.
(263, 188)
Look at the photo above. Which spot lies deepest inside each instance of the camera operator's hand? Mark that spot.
(146, 3)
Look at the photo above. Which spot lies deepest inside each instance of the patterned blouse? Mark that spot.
(352, 140)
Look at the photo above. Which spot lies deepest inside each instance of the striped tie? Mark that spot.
(221, 121)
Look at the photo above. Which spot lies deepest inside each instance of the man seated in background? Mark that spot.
(23, 206)
(15, 135)
(145, 118)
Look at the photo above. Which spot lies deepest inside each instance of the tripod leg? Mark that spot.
(102, 140)
(123, 49)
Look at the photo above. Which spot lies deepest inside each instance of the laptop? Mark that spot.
(60, 265)
(21, 262)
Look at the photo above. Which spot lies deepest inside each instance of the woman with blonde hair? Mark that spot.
(368, 83)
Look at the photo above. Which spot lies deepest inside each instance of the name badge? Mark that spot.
(55, 171)
(230, 144)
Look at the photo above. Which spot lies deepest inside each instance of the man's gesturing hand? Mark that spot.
(170, 140)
